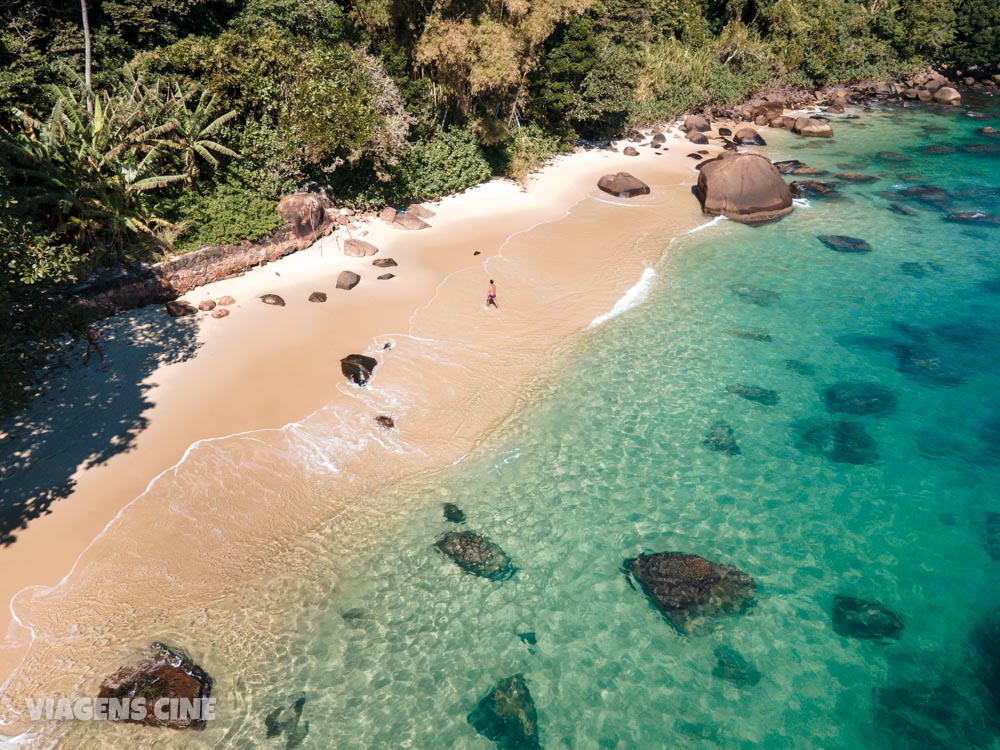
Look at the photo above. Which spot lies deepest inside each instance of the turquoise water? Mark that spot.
(607, 460)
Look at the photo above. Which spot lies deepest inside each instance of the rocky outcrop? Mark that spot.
(858, 398)
(358, 368)
(744, 187)
(810, 127)
(623, 185)
(305, 213)
(856, 618)
(688, 589)
(347, 280)
(507, 716)
(163, 674)
(358, 248)
(477, 554)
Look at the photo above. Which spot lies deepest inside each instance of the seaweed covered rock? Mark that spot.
(754, 393)
(722, 439)
(844, 244)
(358, 368)
(453, 514)
(745, 187)
(853, 445)
(506, 715)
(164, 674)
(856, 618)
(477, 554)
(687, 589)
(857, 397)
(755, 295)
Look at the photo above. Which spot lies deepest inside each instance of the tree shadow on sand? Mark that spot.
(86, 413)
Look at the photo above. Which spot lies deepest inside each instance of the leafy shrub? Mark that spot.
(527, 150)
(227, 214)
(446, 162)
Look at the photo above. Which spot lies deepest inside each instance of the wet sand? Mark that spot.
(306, 447)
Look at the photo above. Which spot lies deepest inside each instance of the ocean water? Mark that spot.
(392, 645)
(606, 459)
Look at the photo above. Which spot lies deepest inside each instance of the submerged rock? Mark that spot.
(272, 299)
(789, 166)
(751, 334)
(974, 217)
(899, 208)
(507, 716)
(722, 440)
(844, 244)
(853, 445)
(857, 397)
(755, 294)
(930, 194)
(754, 393)
(985, 642)
(812, 435)
(275, 725)
(477, 554)
(799, 367)
(731, 665)
(924, 364)
(358, 368)
(687, 589)
(928, 712)
(164, 672)
(856, 618)
(813, 189)
(856, 177)
(914, 269)
(993, 536)
(453, 514)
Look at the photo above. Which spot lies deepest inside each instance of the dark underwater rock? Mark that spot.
(275, 726)
(914, 269)
(477, 554)
(867, 341)
(507, 716)
(924, 364)
(894, 157)
(993, 536)
(730, 665)
(164, 672)
(751, 334)
(844, 244)
(985, 643)
(899, 208)
(856, 618)
(928, 712)
(453, 514)
(812, 435)
(856, 177)
(812, 188)
(687, 589)
(799, 367)
(940, 149)
(853, 445)
(722, 439)
(358, 368)
(857, 397)
(930, 194)
(981, 148)
(754, 393)
(755, 295)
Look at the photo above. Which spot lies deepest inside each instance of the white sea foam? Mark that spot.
(801, 202)
(714, 222)
(633, 297)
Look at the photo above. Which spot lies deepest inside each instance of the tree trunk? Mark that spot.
(86, 53)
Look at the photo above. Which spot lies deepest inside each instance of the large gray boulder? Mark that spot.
(745, 187)
(623, 185)
(947, 95)
(687, 589)
(749, 137)
(697, 123)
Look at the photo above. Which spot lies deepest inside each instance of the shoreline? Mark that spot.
(444, 276)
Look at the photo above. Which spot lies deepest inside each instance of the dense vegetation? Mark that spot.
(131, 127)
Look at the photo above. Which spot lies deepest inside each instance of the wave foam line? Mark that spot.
(632, 298)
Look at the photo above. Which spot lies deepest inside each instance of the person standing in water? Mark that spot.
(491, 295)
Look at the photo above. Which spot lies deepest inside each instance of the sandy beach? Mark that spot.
(172, 456)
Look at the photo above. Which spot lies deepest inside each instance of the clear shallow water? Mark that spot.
(609, 462)
(394, 646)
